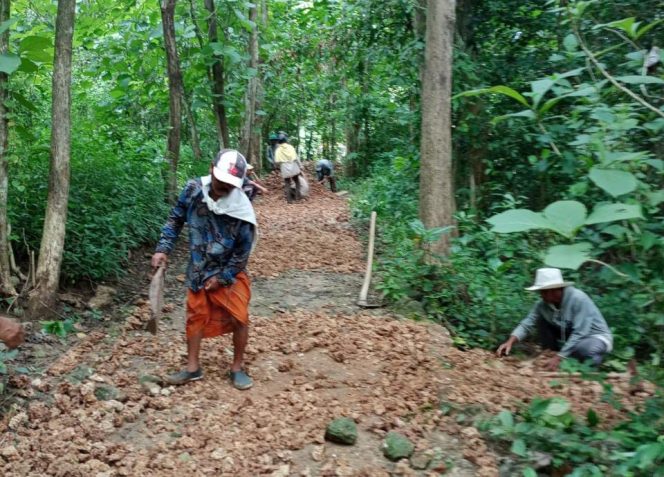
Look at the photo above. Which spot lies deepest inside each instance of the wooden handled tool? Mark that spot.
(156, 296)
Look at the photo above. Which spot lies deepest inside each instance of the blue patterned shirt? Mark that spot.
(220, 244)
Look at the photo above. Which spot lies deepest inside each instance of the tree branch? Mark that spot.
(606, 74)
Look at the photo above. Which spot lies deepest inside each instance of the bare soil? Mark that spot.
(99, 408)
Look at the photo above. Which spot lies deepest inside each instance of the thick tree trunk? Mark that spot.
(174, 97)
(218, 89)
(6, 286)
(437, 203)
(42, 298)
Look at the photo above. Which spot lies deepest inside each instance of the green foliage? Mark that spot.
(59, 328)
(115, 204)
(547, 434)
(4, 357)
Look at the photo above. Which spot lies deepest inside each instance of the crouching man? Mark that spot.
(566, 320)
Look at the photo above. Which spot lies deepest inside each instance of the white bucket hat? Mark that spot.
(548, 278)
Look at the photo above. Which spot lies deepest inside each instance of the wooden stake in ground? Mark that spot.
(156, 296)
(367, 274)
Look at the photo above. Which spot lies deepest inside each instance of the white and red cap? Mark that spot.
(230, 167)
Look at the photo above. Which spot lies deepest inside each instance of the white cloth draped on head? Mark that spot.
(236, 204)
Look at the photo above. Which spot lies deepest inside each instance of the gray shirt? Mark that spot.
(577, 310)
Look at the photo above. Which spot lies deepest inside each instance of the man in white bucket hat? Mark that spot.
(222, 232)
(566, 320)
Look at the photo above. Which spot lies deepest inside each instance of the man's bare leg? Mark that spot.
(240, 338)
(194, 351)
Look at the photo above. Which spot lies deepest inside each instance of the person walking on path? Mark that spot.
(325, 170)
(272, 146)
(222, 230)
(566, 320)
(290, 167)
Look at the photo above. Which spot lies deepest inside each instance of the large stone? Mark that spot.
(342, 431)
(421, 460)
(106, 392)
(397, 446)
(103, 297)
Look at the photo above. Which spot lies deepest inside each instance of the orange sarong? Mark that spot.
(213, 312)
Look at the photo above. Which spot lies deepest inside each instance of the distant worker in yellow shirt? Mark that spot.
(289, 165)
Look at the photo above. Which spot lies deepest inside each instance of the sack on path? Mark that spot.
(289, 169)
(304, 186)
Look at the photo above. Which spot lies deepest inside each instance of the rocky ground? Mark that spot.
(101, 409)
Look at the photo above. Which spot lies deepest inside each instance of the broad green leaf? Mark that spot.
(647, 454)
(628, 25)
(507, 91)
(540, 88)
(568, 256)
(35, 42)
(529, 472)
(637, 79)
(37, 48)
(557, 407)
(570, 42)
(615, 230)
(117, 93)
(23, 101)
(648, 240)
(646, 28)
(506, 418)
(518, 220)
(612, 181)
(611, 157)
(519, 448)
(592, 417)
(655, 198)
(9, 63)
(566, 216)
(4, 26)
(526, 113)
(612, 212)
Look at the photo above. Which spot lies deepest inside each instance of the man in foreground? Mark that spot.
(566, 320)
(222, 228)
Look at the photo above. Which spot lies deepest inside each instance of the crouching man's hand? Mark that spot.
(505, 348)
(553, 363)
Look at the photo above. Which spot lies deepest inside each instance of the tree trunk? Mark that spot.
(251, 128)
(218, 89)
(174, 97)
(437, 203)
(193, 130)
(6, 286)
(42, 298)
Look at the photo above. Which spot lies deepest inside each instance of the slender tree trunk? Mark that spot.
(218, 88)
(251, 128)
(42, 298)
(174, 97)
(437, 203)
(6, 287)
(193, 130)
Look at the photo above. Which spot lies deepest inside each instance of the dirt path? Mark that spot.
(313, 355)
